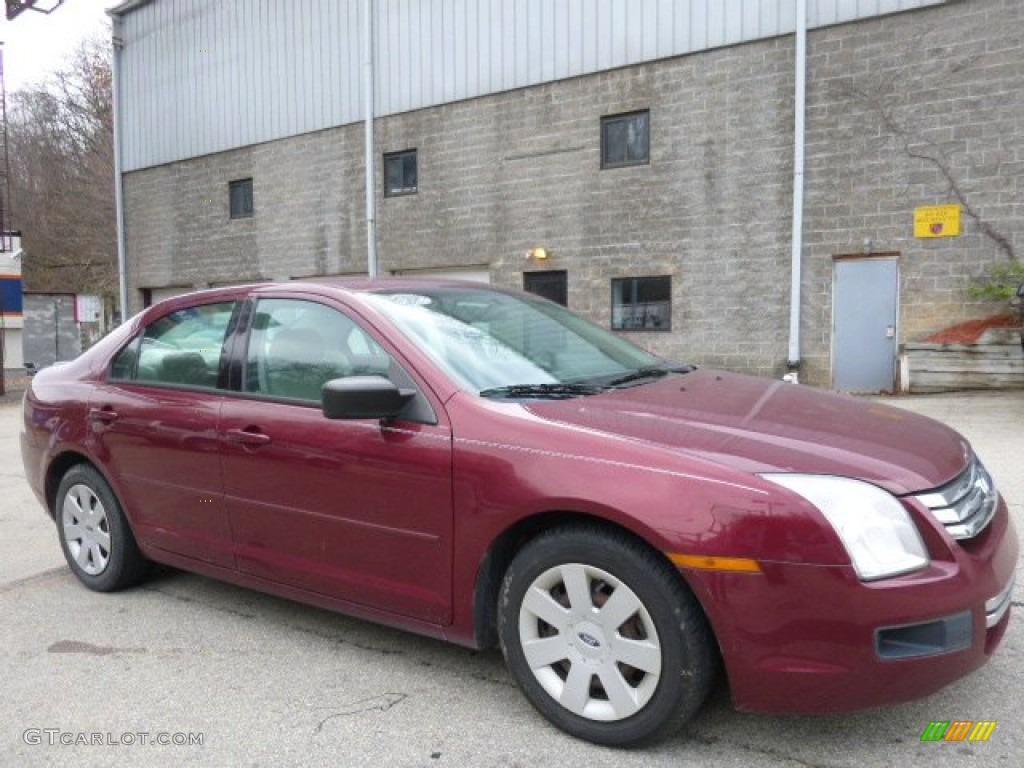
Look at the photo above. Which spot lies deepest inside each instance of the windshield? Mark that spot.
(511, 345)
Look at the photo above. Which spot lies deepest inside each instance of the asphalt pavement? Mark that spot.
(187, 671)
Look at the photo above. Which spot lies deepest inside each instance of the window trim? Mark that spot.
(238, 184)
(607, 120)
(661, 329)
(399, 156)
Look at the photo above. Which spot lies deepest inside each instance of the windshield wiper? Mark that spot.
(648, 373)
(555, 390)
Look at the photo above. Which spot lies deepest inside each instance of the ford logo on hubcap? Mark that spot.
(590, 640)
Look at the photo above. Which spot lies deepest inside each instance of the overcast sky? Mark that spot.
(36, 44)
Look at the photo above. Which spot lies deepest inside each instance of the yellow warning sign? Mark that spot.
(937, 221)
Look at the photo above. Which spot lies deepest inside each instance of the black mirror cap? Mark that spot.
(1020, 291)
(363, 397)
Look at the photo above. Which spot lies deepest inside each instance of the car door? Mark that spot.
(358, 510)
(154, 421)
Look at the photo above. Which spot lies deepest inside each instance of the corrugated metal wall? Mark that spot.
(202, 76)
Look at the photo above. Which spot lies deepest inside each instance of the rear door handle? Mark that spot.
(247, 436)
(105, 415)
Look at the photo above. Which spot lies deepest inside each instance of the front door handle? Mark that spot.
(247, 436)
(104, 415)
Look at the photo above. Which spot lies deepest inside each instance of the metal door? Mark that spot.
(865, 307)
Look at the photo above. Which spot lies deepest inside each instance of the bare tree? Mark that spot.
(915, 144)
(62, 176)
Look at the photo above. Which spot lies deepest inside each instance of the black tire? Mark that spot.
(94, 534)
(667, 625)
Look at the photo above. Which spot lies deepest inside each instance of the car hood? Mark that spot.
(759, 425)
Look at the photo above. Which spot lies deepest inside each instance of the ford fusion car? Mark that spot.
(483, 466)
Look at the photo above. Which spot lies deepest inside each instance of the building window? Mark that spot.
(625, 140)
(642, 304)
(552, 285)
(400, 173)
(240, 194)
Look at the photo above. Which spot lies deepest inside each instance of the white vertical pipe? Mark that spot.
(115, 86)
(799, 128)
(371, 177)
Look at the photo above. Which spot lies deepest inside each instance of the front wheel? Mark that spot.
(94, 534)
(603, 638)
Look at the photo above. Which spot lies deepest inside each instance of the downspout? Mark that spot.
(115, 84)
(800, 101)
(371, 177)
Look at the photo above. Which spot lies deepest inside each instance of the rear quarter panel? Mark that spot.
(55, 408)
(54, 423)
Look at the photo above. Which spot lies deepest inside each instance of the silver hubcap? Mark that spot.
(86, 530)
(590, 642)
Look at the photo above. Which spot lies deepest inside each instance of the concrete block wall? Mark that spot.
(921, 108)
(501, 174)
(308, 196)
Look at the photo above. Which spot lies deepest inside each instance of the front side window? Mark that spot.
(400, 173)
(184, 348)
(296, 346)
(240, 198)
(642, 304)
(625, 140)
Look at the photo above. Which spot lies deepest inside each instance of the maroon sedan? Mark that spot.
(483, 466)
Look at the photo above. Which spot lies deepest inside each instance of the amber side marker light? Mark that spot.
(707, 563)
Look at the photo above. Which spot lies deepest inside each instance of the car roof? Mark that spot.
(360, 284)
(325, 286)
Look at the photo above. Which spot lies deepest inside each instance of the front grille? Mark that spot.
(967, 504)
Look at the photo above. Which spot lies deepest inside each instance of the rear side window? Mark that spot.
(185, 348)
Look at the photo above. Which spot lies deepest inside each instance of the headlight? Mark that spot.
(874, 527)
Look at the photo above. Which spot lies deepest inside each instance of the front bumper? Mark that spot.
(808, 638)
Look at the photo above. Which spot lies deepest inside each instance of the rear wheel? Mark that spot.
(603, 638)
(94, 534)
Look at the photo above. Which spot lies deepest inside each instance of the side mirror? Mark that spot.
(363, 397)
(1020, 291)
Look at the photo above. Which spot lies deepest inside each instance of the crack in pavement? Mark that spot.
(710, 741)
(332, 638)
(35, 578)
(381, 703)
(187, 599)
